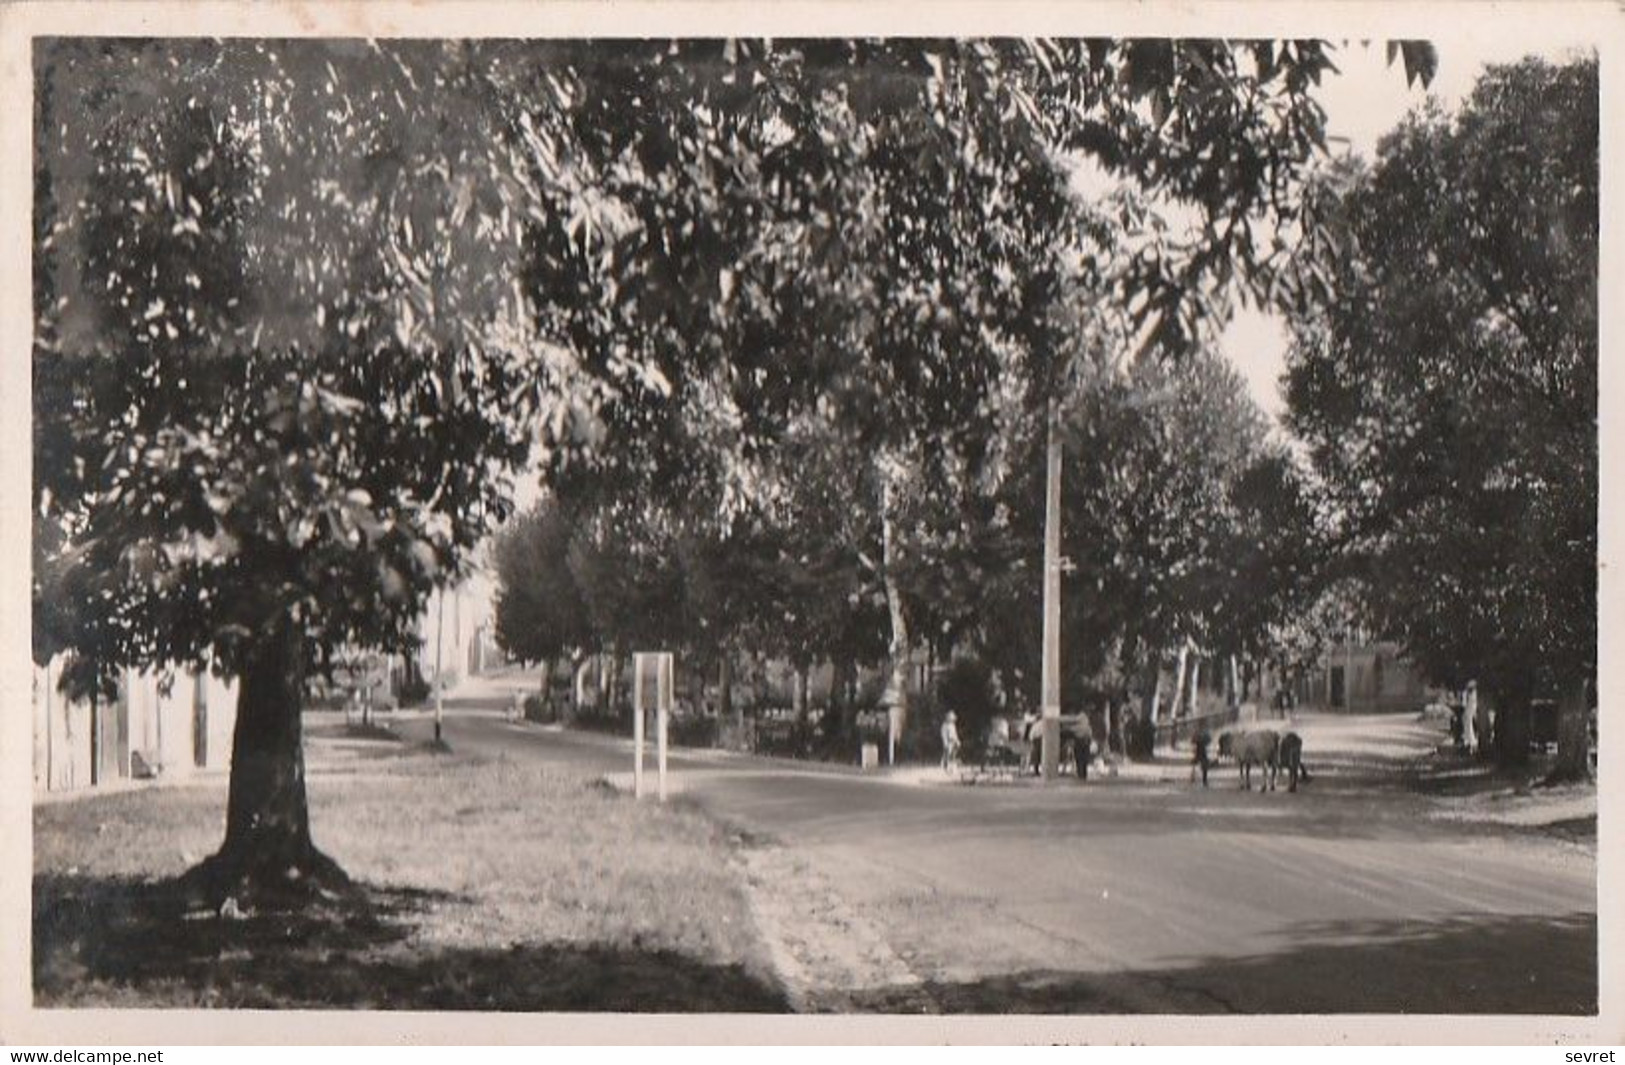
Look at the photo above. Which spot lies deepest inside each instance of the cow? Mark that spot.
(1291, 759)
(1261, 747)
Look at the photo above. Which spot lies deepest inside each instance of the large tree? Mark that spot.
(280, 374)
(1448, 391)
(540, 616)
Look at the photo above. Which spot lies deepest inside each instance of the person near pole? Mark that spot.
(1083, 744)
(1032, 734)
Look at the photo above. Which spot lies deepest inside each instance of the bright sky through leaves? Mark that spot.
(1363, 102)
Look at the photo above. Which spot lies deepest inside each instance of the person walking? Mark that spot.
(1202, 741)
(1083, 742)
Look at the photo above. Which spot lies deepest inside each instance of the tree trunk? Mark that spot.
(96, 738)
(725, 696)
(896, 698)
(1469, 724)
(1152, 700)
(1481, 725)
(798, 693)
(544, 692)
(606, 683)
(579, 665)
(200, 719)
(1176, 701)
(1573, 735)
(1509, 734)
(842, 704)
(268, 853)
(1512, 735)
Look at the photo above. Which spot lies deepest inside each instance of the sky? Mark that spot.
(1363, 102)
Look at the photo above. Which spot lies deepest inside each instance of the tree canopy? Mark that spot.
(278, 363)
(305, 308)
(1448, 391)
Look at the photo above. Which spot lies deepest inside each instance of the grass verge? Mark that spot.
(488, 885)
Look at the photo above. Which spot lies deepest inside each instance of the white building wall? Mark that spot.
(450, 632)
(160, 728)
(222, 702)
(40, 705)
(65, 750)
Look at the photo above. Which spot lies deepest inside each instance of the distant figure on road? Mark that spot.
(1283, 702)
(950, 741)
(1458, 727)
(1203, 741)
(1083, 743)
(1290, 759)
(1031, 734)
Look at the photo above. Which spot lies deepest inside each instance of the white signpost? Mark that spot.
(651, 689)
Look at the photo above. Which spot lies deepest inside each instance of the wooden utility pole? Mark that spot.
(1052, 602)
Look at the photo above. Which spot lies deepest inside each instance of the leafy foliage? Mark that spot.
(280, 368)
(876, 248)
(539, 612)
(1449, 392)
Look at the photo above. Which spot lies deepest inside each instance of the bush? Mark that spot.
(540, 710)
(921, 740)
(693, 730)
(594, 720)
(967, 689)
(786, 739)
(1139, 738)
(414, 690)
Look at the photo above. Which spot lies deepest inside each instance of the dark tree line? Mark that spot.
(1448, 392)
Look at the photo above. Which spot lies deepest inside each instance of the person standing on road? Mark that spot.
(1203, 740)
(1030, 735)
(950, 741)
(1083, 742)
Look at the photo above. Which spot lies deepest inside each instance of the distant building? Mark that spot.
(142, 731)
(1362, 676)
(457, 632)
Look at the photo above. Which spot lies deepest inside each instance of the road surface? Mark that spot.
(1123, 897)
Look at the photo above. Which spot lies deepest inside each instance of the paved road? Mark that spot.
(1123, 896)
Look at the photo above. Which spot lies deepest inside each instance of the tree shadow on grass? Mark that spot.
(1471, 965)
(111, 941)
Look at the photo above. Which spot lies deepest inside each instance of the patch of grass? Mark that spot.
(488, 885)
